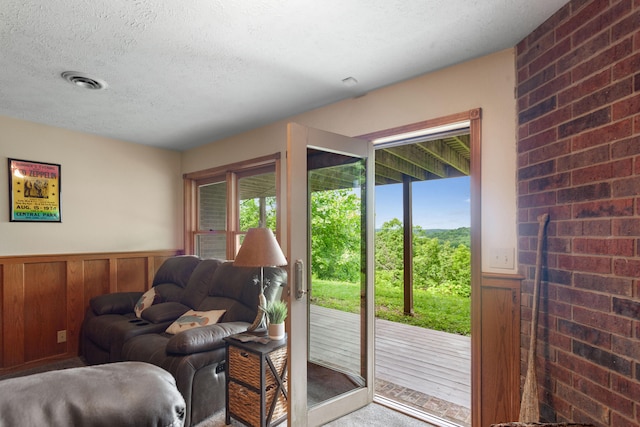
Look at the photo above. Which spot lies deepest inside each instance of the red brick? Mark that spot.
(596, 228)
(558, 50)
(603, 321)
(626, 268)
(578, 19)
(603, 135)
(625, 148)
(570, 228)
(558, 245)
(533, 50)
(626, 227)
(626, 187)
(603, 21)
(538, 140)
(552, 119)
(613, 208)
(537, 170)
(591, 371)
(603, 60)
(537, 110)
(628, 348)
(583, 123)
(602, 172)
(539, 199)
(582, 53)
(550, 151)
(603, 97)
(550, 182)
(613, 400)
(586, 158)
(626, 67)
(626, 108)
(550, 88)
(608, 284)
(626, 26)
(536, 81)
(582, 401)
(599, 190)
(618, 420)
(614, 247)
(584, 88)
(601, 265)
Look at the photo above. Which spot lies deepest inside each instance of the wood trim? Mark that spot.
(222, 170)
(500, 336)
(475, 135)
(431, 123)
(61, 285)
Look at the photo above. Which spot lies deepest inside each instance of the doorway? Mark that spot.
(411, 157)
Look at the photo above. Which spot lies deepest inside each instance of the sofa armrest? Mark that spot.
(204, 338)
(117, 303)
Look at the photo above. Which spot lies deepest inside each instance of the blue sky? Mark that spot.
(441, 203)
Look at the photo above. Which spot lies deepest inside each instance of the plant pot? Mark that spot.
(276, 331)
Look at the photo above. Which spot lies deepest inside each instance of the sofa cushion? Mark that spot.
(176, 270)
(146, 300)
(199, 282)
(119, 303)
(205, 338)
(164, 312)
(195, 319)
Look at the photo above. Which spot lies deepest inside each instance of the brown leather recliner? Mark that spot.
(194, 357)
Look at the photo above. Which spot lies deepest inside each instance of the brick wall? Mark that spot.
(578, 96)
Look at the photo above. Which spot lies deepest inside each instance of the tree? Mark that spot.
(336, 235)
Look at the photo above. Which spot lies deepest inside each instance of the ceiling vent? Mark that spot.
(84, 81)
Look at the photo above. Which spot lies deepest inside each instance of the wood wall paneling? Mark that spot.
(96, 278)
(43, 294)
(132, 274)
(500, 356)
(45, 308)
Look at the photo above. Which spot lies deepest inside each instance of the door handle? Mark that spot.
(299, 279)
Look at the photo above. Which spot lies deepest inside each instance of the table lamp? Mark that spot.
(260, 249)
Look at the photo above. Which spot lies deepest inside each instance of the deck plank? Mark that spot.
(431, 362)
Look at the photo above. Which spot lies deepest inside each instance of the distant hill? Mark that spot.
(455, 237)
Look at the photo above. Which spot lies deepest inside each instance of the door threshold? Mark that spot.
(412, 412)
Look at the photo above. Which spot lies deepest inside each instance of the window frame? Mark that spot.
(230, 173)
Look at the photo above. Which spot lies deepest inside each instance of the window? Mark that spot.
(221, 204)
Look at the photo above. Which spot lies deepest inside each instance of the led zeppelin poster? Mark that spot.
(34, 190)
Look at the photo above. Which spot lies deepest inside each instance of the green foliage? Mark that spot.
(438, 265)
(335, 235)
(448, 313)
(250, 213)
(276, 311)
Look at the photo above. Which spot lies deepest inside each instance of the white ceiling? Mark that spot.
(184, 73)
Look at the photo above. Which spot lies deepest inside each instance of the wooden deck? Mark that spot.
(431, 362)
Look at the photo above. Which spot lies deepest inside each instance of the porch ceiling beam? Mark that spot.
(385, 172)
(398, 159)
(443, 152)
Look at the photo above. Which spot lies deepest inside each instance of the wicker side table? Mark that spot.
(256, 382)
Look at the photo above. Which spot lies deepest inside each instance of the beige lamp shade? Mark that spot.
(260, 249)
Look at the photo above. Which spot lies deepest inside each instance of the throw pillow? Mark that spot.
(146, 300)
(195, 319)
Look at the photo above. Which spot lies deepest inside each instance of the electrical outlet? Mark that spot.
(62, 336)
(501, 258)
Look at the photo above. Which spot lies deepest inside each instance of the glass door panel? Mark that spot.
(330, 239)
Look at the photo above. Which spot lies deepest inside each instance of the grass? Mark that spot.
(446, 313)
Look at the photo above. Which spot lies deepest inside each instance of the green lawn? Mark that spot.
(440, 312)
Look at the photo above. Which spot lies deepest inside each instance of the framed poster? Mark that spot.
(34, 191)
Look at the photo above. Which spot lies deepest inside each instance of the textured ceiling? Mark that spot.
(185, 73)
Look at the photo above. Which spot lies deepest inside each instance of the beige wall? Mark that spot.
(116, 196)
(487, 83)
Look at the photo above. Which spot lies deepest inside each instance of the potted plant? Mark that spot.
(276, 312)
